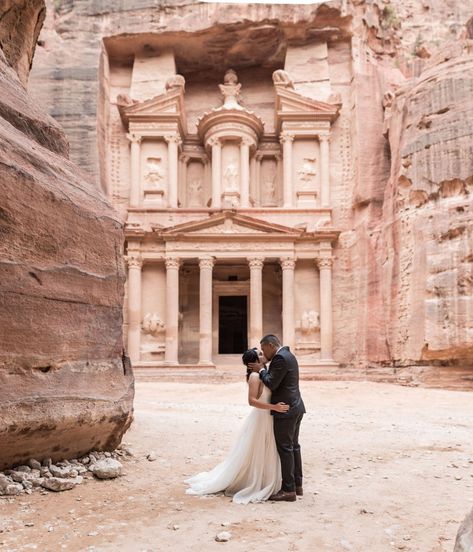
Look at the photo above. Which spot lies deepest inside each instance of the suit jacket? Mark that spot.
(282, 377)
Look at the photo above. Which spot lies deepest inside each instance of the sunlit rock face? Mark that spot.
(427, 247)
(65, 387)
(400, 159)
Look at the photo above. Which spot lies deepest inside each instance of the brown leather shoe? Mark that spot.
(283, 496)
(299, 491)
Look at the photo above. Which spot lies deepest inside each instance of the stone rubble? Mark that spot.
(63, 475)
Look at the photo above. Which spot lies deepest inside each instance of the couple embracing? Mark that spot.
(265, 462)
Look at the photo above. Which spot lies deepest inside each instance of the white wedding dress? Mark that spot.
(252, 470)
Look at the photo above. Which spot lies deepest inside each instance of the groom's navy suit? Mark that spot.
(282, 377)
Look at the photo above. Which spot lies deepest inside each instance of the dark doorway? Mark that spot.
(232, 324)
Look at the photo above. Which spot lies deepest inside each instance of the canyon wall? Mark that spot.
(65, 385)
(401, 161)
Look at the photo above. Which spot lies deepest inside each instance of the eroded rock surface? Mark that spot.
(65, 387)
(401, 163)
(464, 540)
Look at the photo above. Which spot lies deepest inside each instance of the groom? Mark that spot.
(282, 377)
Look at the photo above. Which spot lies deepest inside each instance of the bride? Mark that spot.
(252, 470)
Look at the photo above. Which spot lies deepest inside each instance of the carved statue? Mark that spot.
(195, 192)
(231, 177)
(230, 90)
(269, 185)
(125, 100)
(176, 81)
(154, 173)
(152, 324)
(307, 171)
(310, 321)
(282, 78)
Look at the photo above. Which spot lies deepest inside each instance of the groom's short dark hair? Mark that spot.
(270, 339)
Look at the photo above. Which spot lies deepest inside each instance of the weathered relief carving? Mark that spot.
(282, 78)
(310, 321)
(307, 172)
(230, 177)
(269, 184)
(195, 193)
(154, 173)
(176, 81)
(152, 324)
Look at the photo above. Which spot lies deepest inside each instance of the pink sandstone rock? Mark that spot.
(400, 166)
(65, 387)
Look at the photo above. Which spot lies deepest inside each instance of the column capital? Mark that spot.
(288, 263)
(134, 138)
(214, 142)
(324, 262)
(255, 262)
(172, 263)
(206, 262)
(173, 138)
(259, 156)
(134, 260)
(324, 137)
(246, 141)
(286, 137)
(184, 158)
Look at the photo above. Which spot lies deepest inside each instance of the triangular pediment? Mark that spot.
(293, 106)
(163, 108)
(229, 224)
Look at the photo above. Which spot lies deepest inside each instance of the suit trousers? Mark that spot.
(286, 433)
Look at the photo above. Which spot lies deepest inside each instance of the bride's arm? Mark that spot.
(253, 392)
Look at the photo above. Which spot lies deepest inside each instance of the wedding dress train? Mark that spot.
(252, 470)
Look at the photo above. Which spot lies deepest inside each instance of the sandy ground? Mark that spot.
(386, 468)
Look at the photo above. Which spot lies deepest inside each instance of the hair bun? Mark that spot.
(251, 355)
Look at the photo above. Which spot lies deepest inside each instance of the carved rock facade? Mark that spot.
(398, 197)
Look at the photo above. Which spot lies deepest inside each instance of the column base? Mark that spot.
(170, 363)
(206, 364)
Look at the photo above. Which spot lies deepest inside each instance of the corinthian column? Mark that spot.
(135, 166)
(256, 300)
(245, 173)
(325, 271)
(287, 140)
(173, 142)
(325, 170)
(134, 306)
(205, 345)
(184, 161)
(288, 265)
(216, 172)
(172, 310)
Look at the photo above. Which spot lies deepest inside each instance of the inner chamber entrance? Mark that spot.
(232, 324)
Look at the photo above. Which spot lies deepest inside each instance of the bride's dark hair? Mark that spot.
(251, 355)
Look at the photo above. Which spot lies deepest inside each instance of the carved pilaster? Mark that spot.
(326, 327)
(288, 265)
(324, 140)
(287, 140)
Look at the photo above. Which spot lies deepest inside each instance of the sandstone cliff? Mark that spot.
(64, 386)
(401, 164)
